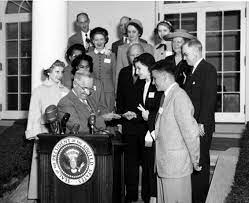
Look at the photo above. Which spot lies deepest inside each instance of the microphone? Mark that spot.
(64, 120)
(75, 129)
(51, 115)
(92, 121)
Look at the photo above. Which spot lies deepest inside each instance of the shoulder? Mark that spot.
(142, 40)
(116, 43)
(207, 67)
(91, 53)
(170, 58)
(75, 35)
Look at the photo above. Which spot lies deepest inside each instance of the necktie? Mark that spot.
(87, 39)
(161, 104)
(162, 45)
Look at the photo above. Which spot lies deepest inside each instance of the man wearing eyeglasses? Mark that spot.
(80, 106)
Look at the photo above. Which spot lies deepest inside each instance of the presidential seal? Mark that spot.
(73, 161)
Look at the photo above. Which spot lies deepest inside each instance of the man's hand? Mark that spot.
(201, 129)
(197, 167)
(110, 116)
(145, 113)
(129, 115)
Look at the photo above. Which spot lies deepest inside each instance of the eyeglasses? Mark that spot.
(86, 90)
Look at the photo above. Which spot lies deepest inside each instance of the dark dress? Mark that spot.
(182, 70)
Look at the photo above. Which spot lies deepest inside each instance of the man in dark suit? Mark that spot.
(129, 92)
(83, 35)
(201, 86)
(123, 34)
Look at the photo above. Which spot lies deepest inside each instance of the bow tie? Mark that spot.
(162, 45)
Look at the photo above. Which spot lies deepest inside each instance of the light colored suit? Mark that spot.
(177, 139)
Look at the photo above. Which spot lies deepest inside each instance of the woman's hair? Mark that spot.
(55, 64)
(139, 28)
(145, 59)
(99, 30)
(166, 24)
(83, 57)
(70, 50)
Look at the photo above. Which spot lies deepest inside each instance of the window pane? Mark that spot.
(215, 60)
(12, 84)
(25, 83)
(231, 61)
(12, 102)
(213, 21)
(11, 31)
(231, 20)
(26, 30)
(174, 19)
(26, 48)
(231, 82)
(189, 21)
(12, 49)
(231, 102)
(219, 82)
(25, 99)
(218, 103)
(232, 41)
(26, 66)
(12, 66)
(11, 7)
(213, 41)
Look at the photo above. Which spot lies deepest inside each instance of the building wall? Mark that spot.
(107, 14)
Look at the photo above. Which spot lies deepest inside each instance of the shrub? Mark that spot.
(240, 189)
(15, 155)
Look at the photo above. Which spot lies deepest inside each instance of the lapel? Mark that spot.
(79, 37)
(166, 102)
(79, 106)
(151, 89)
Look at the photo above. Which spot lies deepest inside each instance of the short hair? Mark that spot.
(55, 64)
(164, 66)
(79, 14)
(133, 45)
(145, 59)
(99, 30)
(70, 50)
(194, 43)
(83, 57)
(125, 17)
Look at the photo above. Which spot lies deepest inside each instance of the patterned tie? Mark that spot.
(161, 104)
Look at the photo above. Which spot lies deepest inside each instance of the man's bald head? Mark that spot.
(133, 51)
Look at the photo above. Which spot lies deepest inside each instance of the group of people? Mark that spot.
(162, 99)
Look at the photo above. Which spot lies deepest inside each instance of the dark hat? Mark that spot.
(179, 33)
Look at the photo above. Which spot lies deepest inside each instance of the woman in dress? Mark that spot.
(148, 106)
(134, 33)
(104, 64)
(48, 93)
(163, 49)
(182, 69)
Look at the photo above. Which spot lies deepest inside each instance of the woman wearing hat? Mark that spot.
(48, 93)
(163, 49)
(178, 37)
(104, 64)
(134, 32)
(148, 106)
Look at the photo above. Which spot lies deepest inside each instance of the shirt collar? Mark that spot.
(99, 52)
(170, 87)
(84, 34)
(196, 64)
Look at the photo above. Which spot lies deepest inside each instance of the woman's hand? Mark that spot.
(145, 113)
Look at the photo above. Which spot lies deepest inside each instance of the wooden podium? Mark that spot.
(106, 184)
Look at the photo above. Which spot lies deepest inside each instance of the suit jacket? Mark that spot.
(79, 112)
(120, 42)
(202, 90)
(67, 79)
(177, 136)
(77, 39)
(129, 96)
(122, 59)
(152, 103)
(182, 70)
